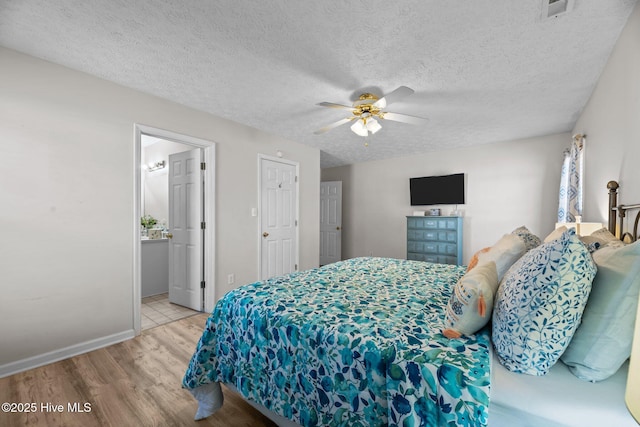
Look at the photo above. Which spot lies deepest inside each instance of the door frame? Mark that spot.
(209, 213)
(297, 208)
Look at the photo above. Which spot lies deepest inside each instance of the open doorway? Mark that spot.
(161, 303)
(169, 210)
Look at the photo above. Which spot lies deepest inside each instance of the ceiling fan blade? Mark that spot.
(338, 106)
(404, 118)
(334, 125)
(394, 96)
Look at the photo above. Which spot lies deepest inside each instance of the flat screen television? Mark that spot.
(437, 190)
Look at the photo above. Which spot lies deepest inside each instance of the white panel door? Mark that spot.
(278, 220)
(185, 219)
(330, 222)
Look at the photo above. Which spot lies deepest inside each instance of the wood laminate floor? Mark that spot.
(133, 383)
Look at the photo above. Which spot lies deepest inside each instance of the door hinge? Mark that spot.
(295, 267)
(296, 178)
(202, 284)
(203, 225)
(296, 222)
(203, 166)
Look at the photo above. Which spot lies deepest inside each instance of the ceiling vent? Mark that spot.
(555, 8)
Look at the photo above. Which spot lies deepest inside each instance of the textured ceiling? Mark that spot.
(483, 70)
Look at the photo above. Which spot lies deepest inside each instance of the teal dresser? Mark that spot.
(435, 239)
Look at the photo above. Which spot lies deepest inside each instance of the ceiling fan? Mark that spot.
(368, 108)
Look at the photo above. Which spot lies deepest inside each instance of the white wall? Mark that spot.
(611, 121)
(508, 184)
(67, 148)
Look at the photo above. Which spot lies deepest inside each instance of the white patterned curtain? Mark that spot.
(570, 203)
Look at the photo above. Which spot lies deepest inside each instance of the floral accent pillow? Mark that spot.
(530, 240)
(471, 302)
(539, 304)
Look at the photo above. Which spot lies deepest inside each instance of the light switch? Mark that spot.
(254, 211)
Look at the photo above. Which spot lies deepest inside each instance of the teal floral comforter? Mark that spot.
(355, 343)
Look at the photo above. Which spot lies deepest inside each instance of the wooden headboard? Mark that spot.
(618, 213)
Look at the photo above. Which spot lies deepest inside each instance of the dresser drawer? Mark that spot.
(423, 247)
(431, 223)
(448, 249)
(447, 259)
(435, 239)
(432, 235)
(423, 257)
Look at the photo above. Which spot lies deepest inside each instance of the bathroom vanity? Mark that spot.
(155, 267)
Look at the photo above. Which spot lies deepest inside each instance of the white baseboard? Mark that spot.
(63, 353)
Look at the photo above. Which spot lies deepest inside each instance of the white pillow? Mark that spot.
(605, 237)
(471, 301)
(504, 253)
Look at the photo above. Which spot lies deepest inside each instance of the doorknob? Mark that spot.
(169, 236)
(265, 234)
(337, 228)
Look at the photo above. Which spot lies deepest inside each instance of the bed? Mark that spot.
(360, 343)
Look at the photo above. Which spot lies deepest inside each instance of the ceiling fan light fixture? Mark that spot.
(373, 126)
(359, 128)
(365, 125)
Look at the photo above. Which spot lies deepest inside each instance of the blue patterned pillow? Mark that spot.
(539, 304)
(530, 240)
